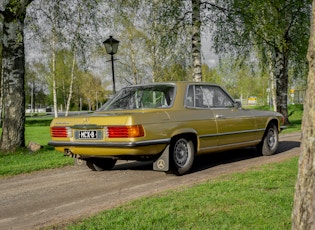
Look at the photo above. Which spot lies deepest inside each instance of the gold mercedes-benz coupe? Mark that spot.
(167, 123)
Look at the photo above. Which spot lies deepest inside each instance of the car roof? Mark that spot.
(178, 83)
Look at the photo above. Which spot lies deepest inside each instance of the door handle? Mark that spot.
(219, 116)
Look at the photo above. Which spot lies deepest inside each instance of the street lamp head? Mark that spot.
(111, 45)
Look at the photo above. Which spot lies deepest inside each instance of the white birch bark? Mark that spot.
(196, 41)
(53, 76)
(71, 84)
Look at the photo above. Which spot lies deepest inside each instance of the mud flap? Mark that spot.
(162, 163)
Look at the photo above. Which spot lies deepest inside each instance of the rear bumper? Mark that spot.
(109, 144)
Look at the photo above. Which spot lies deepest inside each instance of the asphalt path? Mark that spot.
(58, 196)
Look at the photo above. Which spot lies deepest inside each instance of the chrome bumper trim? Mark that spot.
(109, 144)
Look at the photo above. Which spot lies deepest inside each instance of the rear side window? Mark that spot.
(207, 96)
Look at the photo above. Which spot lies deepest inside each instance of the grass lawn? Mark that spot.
(260, 199)
(24, 161)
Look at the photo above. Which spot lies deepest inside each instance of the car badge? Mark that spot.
(85, 120)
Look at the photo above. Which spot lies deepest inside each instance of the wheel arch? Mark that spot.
(189, 133)
(273, 121)
(270, 140)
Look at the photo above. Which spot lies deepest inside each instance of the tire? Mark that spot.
(182, 153)
(270, 141)
(101, 164)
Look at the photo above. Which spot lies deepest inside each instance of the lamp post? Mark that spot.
(111, 46)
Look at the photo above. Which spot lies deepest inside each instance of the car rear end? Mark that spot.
(103, 135)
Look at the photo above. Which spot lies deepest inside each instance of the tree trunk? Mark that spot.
(13, 77)
(53, 75)
(196, 41)
(1, 85)
(273, 93)
(71, 84)
(271, 82)
(303, 216)
(281, 75)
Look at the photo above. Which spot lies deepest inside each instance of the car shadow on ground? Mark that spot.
(134, 165)
(211, 160)
(287, 145)
(206, 161)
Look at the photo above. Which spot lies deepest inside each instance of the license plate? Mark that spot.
(88, 134)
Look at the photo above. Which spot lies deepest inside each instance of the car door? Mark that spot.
(235, 125)
(203, 119)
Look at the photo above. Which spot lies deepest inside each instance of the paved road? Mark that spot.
(57, 196)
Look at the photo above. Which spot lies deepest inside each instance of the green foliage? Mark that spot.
(86, 87)
(175, 72)
(33, 121)
(267, 29)
(242, 23)
(17, 10)
(295, 118)
(211, 75)
(157, 48)
(242, 79)
(258, 199)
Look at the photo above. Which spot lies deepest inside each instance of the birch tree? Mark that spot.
(277, 27)
(78, 19)
(304, 200)
(44, 17)
(1, 73)
(170, 40)
(13, 70)
(170, 37)
(67, 25)
(196, 40)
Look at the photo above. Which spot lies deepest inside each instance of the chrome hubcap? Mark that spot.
(271, 139)
(181, 152)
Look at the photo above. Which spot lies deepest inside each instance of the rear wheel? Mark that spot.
(182, 153)
(270, 141)
(100, 164)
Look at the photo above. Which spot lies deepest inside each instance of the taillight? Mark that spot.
(125, 131)
(57, 131)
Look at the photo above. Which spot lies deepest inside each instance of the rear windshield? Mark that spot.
(141, 97)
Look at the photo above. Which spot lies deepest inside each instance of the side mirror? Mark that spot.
(238, 104)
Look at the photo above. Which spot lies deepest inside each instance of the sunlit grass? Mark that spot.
(25, 161)
(260, 199)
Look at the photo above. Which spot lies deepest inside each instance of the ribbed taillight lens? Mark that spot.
(125, 131)
(58, 131)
